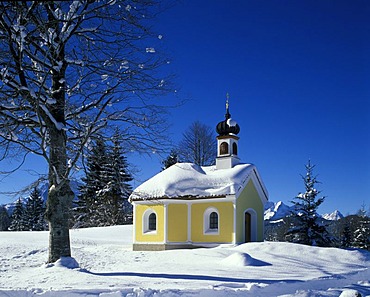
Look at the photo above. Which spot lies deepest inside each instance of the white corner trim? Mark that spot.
(234, 223)
(134, 224)
(165, 222)
(260, 186)
(189, 221)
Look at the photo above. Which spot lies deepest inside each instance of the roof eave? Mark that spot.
(187, 197)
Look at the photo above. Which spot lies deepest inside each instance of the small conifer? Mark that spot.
(307, 226)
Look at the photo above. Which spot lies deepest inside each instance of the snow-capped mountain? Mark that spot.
(334, 216)
(277, 210)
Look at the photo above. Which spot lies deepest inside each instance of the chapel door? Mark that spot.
(247, 227)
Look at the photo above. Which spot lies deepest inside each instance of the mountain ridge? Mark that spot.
(44, 195)
(275, 211)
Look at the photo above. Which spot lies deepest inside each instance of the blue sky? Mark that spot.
(298, 75)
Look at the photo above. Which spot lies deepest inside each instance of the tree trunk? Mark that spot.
(60, 197)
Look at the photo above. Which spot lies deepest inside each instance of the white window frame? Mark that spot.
(227, 148)
(206, 217)
(146, 215)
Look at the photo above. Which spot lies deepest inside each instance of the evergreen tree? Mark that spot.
(17, 218)
(88, 211)
(346, 240)
(103, 198)
(362, 211)
(361, 236)
(307, 226)
(117, 190)
(34, 212)
(4, 219)
(172, 159)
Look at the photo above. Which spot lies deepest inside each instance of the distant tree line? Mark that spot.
(352, 231)
(103, 198)
(4, 218)
(25, 217)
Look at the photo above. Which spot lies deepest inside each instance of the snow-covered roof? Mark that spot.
(187, 180)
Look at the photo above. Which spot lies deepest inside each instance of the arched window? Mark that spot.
(152, 222)
(224, 148)
(235, 149)
(213, 221)
(149, 221)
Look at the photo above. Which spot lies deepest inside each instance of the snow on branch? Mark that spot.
(60, 126)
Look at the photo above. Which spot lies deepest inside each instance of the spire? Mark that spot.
(227, 115)
(227, 141)
(228, 125)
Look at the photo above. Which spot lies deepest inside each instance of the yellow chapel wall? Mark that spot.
(158, 235)
(249, 199)
(225, 222)
(177, 222)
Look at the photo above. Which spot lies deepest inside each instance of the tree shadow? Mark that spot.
(191, 277)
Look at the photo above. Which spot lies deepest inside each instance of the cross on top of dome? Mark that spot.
(227, 126)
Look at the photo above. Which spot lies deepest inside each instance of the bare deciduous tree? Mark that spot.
(68, 70)
(198, 145)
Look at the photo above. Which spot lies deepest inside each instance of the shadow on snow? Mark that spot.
(190, 277)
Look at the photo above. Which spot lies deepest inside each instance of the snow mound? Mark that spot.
(239, 259)
(350, 293)
(66, 262)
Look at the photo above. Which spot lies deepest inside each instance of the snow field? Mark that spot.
(105, 265)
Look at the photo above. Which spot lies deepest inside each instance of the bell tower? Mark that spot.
(227, 141)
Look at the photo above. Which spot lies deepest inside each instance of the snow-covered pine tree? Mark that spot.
(307, 226)
(361, 236)
(172, 159)
(4, 219)
(117, 189)
(34, 212)
(103, 199)
(17, 218)
(88, 212)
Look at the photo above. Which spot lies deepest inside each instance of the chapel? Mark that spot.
(188, 206)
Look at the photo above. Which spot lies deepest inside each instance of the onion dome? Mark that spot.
(228, 126)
